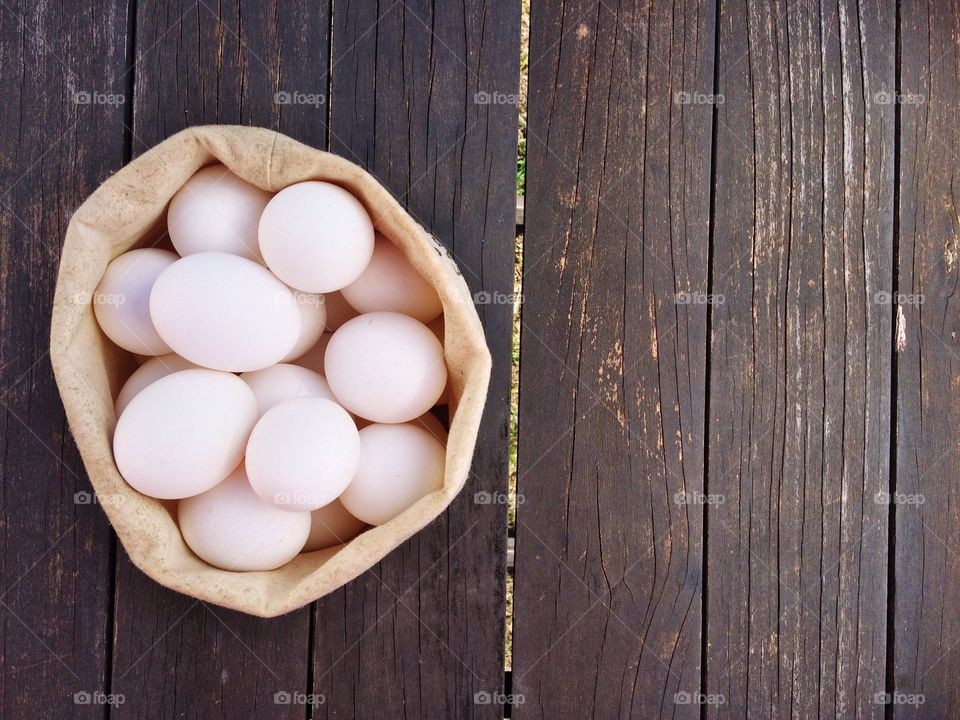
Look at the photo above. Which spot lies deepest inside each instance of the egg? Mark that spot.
(225, 312)
(385, 367)
(121, 302)
(184, 433)
(332, 525)
(316, 236)
(391, 283)
(313, 358)
(338, 310)
(302, 453)
(399, 464)
(313, 318)
(216, 211)
(153, 369)
(231, 528)
(277, 383)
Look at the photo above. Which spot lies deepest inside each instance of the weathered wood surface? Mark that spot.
(738, 415)
(609, 555)
(55, 548)
(926, 629)
(421, 634)
(800, 362)
(75, 618)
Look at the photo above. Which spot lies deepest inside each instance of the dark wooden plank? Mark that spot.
(926, 610)
(56, 552)
(607, 611)
(799, 427)
(421, 634)
(216, 63)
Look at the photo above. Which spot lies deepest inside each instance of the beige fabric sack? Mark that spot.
(129, 210)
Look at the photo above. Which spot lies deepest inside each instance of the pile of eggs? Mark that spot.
(294, 358)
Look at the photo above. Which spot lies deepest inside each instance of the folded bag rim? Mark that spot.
(127, 210)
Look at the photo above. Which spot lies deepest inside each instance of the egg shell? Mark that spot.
(153, 369)
(184, 433)
(121, 302)
(399, 464)
(302, 453)
(391, 283)
(313, 318)
(316, 236)
(225, 312)
(385, 367)
(332, 525)
(216, 211)
(231, 528)
(277, 383)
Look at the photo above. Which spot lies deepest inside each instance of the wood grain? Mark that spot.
(217, 63)
(59, 142)
(927, 614)
(607, 613)
(421, 634)
(800, 362)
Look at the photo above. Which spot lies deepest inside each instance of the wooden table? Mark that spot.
(740, 384)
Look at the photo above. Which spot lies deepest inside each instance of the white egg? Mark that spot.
(313, 358)
(316, 236)
(216, 211)
(121, 301)
(184, 433)
(302, 453)
(313, 318)
(399, 464)
(385, 367)
(391, 283)
(225, 312)
(272, 385)
(153, 369)
(338, 310)
(332, 525)
(231, 528)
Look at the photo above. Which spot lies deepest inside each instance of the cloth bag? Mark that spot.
(129, 210)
